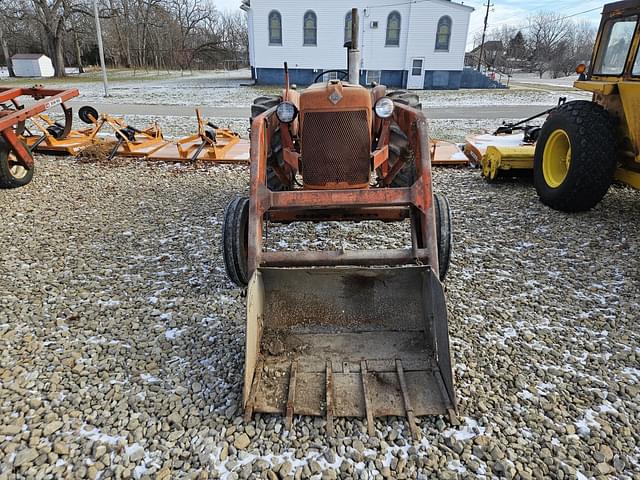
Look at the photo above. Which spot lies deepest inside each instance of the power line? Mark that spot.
(580, 13)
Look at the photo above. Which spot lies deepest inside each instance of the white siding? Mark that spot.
(375, 55)
(33, 67)
(417, 35)
(45, 66)
(328, 53)
(25, 68)
(252, 44)
(424, 19)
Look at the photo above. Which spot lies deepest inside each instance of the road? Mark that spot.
(450, 112)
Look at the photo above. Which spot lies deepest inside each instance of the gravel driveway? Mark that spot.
(122, 339)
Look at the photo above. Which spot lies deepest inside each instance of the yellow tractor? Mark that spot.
(584, 145)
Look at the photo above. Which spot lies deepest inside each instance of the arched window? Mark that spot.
(393, 29)
(275, 28)
(310, 23)
(347, 27)
(443, 34)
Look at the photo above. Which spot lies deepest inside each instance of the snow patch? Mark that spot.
(456, 466)
(460, 156)
(172, 333)
(525, 395)
(109, 303)
(634, 373)
(97, 436)
(147, 377)
(465, 432)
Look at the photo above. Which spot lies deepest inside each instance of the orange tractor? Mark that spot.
(360, 333)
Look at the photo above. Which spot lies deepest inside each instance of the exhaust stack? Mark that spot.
(354, 53)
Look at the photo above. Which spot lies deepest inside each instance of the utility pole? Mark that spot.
(484, 32)
(101, 49)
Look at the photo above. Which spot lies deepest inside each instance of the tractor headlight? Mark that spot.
(286, 112)
(384, 107)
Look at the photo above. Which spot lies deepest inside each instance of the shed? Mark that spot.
(32, 65)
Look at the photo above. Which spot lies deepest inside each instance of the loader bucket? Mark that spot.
(348, 342)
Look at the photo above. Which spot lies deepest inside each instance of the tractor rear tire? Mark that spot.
(264, 103)
(261, 105)
(444, 233)
(405, 97)
(575, 157)
(12, 173)
(399, 146)
(235, 240)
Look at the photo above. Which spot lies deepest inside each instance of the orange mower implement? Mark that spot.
(210, 143)
(53, 140)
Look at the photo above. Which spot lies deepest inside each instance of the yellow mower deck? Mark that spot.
(499, 153)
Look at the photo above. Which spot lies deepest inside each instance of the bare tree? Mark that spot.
(548, 32)
(5, 48)
(50, 14)
(182, 34)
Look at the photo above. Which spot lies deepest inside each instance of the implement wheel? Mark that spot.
(575, 157)
(88, 114)
(12, 173)
(235, 240)
(444, 233)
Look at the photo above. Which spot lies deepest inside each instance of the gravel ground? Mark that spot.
(122, 339)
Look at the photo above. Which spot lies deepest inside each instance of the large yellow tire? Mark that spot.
(575, 157)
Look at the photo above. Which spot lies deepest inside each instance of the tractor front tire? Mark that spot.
(235, 240)
(12, 173)
(575, 157)
(444, 233)
(274, 182)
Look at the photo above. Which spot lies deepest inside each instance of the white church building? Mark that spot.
(415, 45)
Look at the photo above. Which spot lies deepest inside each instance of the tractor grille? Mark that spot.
(335, 148)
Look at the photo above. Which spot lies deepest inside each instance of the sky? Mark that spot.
(504, 12)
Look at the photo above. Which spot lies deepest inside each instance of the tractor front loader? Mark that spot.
(360, 333)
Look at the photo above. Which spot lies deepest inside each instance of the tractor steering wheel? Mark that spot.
(343, 74)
